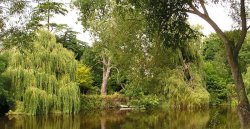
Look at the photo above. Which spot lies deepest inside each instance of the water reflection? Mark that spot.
(158, 119)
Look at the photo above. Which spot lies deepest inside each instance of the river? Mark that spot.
(215, 118)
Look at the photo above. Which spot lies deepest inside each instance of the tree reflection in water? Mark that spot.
(222, 118)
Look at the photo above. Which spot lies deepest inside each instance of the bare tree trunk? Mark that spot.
(105, 76)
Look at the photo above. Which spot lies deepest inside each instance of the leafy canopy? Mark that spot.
(44, 77)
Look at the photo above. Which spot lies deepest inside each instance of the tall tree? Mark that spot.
(44, 11)
(106, 61)
(104, 18)
(44, 77)
(232, 47)
(100, 23)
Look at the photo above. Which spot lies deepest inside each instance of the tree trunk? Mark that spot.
(232, 52)
(48, 17)
(243, 106)
(187, 76)
(105, 76)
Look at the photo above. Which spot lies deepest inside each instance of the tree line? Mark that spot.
(145, 50)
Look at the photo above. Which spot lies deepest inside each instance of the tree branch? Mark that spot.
(194, 9)
(220, 33)
(203, 7)
(104, 61)
(244, 27)
(248, 27)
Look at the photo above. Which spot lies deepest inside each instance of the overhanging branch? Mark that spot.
(205, 17)
(203, 7)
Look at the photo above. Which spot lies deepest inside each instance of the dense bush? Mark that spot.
(97, 102)
(217, 83)
(217, 72)
(145, 101)
(84, 79)
(182, 94)
(142, 92)
(247, 81)
(6, 100)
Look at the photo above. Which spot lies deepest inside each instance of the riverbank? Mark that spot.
(96, 102)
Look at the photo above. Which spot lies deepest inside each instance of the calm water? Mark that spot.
(159, 119)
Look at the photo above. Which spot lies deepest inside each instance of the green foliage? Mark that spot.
(168, 19)
(246, 77)
(97, 102)
(145, 45)
(216, 71)
(54, 7)
(145, 101)
(16, 38)
(217, 83)
(84, 78)
(90, 9)
(44, 11)
(212, 48)
(67, 37)
(9, 9)
(6, 100)
(182, 94)
(44, 77)
(3, 61)
(90, 102)
(244, 55)
(13, 17)
(92, 60)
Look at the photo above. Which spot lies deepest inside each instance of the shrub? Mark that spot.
(6, 100)
(97, 102)
(182, 94)
(84, 79)
(145, 101)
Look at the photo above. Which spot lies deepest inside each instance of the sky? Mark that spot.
(217, 13)
(71, 20)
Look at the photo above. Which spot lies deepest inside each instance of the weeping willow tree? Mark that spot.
(43, 78)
